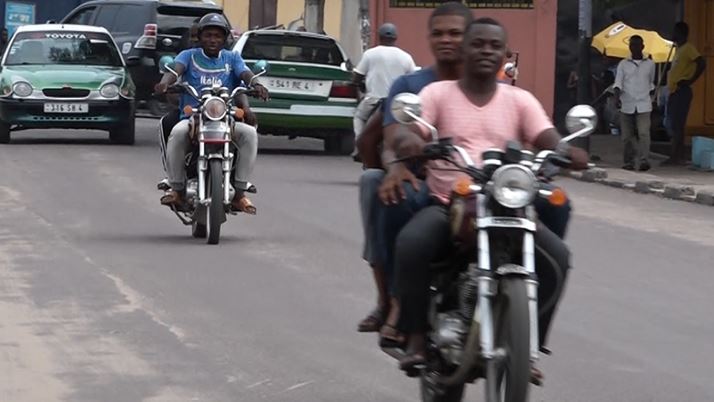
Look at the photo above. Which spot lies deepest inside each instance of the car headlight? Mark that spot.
(514, 186)
(109, 91)
(22, 89)
(215, 108)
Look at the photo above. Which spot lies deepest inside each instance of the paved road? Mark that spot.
(104, 295)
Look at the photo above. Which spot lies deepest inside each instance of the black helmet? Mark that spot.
(214, 20)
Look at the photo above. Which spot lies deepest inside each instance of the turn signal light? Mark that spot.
(557, 197)
(187, 111)
(239, 113)
(463, 187)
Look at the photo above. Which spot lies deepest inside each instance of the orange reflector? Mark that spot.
(239, 113)
(463, 187)
(558, 198)
(187, 110)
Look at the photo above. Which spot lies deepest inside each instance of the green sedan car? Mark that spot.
(309, 80)
(65, 76)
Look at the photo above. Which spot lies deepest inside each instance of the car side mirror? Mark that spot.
(346, 65)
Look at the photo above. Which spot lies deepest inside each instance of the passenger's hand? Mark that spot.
(161, 88)
(249, 117)
(261, 91)
(579, 158)
(392, 189)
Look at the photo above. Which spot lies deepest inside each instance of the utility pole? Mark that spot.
(351, 29)
(585, 23)
(314, 15)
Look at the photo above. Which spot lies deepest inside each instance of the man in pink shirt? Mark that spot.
(478, 113)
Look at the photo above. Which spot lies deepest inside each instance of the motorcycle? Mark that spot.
(211, 163)
(483, 310)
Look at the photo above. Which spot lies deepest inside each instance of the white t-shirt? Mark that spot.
(381, 65)
(635, 78)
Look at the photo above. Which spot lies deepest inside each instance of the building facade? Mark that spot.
(531, 26)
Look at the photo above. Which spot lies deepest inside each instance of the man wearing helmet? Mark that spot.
(201, 67)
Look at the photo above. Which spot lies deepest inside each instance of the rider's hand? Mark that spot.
(579, 158)
(262, 91)
(161, 88)
(392, 189)
(249, 117)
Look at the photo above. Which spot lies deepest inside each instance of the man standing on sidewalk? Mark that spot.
(377, 69)
(634, 86)
(687, 67)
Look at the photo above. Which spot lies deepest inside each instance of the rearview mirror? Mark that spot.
(260, 66)
(406, 107)
(166, 64)
(580, 121)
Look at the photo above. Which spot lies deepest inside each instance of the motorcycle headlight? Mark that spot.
(22, 89)
(109, 91)
(514, 186)
(215, 108)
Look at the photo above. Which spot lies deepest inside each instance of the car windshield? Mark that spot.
(63, 47)
(293, 48)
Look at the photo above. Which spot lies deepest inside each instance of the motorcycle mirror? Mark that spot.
(166, 64)
(406, 109)
(260, 67)
(580, 121)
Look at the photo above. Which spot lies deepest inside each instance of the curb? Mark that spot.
(654, 187)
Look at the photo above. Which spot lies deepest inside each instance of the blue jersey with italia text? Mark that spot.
(202, 71)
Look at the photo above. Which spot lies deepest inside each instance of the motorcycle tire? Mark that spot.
(124, 134)
(216, 211)
(430, 393)
(509, 381)
(199, 230)
(4, 133)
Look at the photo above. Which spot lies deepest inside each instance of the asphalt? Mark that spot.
(105, 296)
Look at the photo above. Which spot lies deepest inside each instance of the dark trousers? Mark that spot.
(427, 237)
(678, 110)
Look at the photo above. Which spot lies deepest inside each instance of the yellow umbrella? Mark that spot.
(614, 41)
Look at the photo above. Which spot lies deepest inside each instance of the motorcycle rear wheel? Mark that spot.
(216, 211)
(509, 380)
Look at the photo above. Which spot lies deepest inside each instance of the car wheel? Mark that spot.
(4, 133)
(123, 134)
(340, 143)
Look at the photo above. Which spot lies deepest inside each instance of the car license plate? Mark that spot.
(66, 108)
(296, 86)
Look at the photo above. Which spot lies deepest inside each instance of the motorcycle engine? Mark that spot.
(450, 335)
(192, 191)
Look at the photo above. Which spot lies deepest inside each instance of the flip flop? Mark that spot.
(374, 321)
(244, 205)
(390, 337)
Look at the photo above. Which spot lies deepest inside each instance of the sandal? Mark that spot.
(171, 198)
(374, 321)
(412, 364)
(536, 377)
(243, 204)
(390, 337)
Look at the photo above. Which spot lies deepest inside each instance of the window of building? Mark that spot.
(470, 3)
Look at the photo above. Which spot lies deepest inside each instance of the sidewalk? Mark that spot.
(681, 183)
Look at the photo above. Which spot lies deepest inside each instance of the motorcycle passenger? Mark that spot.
(478, 113)
(202, 67)
(446, 25)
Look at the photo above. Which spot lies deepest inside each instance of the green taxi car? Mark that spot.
(310, 86)
(65, 76)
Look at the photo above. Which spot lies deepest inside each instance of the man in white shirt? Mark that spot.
(377, 69)
(634, 86)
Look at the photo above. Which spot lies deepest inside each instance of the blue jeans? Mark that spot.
(392, 218)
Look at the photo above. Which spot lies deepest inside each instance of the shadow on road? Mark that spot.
(152, 239)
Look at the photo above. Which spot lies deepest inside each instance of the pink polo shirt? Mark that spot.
(512, 114)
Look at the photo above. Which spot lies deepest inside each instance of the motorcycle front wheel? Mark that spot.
(216, 211)
(507, 380)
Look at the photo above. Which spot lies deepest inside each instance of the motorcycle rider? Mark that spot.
(446, 25)
(479, 113)
(200, 67)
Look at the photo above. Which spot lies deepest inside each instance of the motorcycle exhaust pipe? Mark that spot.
(461, 375)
